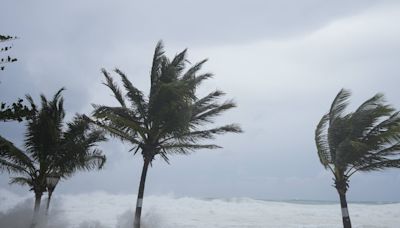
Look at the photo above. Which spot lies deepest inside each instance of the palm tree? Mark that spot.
(168, 121)
(367, 139)
(50, 150)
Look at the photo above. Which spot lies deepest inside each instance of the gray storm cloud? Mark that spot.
(282, 61)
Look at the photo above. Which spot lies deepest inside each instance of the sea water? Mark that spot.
(100, 209)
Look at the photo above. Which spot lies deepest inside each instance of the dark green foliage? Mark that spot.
(168, 120)
(50, 149)
(17, 111)
(364, 140)
(4, 59)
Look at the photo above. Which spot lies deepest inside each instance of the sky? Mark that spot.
(281, 61)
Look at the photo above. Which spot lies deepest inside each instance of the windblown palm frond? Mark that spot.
(21, 181)
(12, 167)
(77, 148)
(51, 150)
(13, 159)
(169, 120)
(156, 66)
(364, 140)
(321, 141)
(205, 114)
(114, 87)
(134, 95)
(339, 104)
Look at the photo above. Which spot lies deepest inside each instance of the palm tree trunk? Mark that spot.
(38, 198)
(48, 203)
(345, 211)
(138, 212)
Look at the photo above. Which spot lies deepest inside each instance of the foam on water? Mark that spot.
(113, 210)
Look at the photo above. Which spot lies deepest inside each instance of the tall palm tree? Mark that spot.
(367, 139)
(169, 120)
(50, 149)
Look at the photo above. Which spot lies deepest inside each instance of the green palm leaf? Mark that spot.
(51, 149)
(364, 140)
(114, 87)
(170, 119)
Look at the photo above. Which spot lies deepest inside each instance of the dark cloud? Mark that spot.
(283, 61)
(185, 22)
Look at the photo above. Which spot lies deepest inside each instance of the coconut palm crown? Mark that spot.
(169, 120)
(50, 149)
(367, 139)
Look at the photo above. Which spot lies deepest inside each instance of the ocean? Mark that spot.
(105, 210)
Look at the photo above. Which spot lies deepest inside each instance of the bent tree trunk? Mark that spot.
(139, 202)
(345, 211)
(38, 198)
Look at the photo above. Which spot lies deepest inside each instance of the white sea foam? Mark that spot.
(101, 209)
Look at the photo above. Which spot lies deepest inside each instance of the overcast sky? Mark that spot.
(281, 61)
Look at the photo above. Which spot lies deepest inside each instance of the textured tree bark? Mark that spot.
(138, 212)
(38, 198)
(345, 211)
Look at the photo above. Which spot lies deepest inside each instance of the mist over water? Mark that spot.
(104, 210)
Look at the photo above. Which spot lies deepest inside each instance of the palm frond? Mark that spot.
(200, 78)
(87, 161)
(191, 72)
(31, 102)
(368, 115)
(321, 141)
(186, 148)
(385, 128)
(21, 181)
(156, 66)
(134, 95)
(391, 150)
(118, 133)
(338, 133)
(193, 136)
(11, 167)
(211, 111)
(395, 163)
(57, 96)
(95, 161)
(178, 63)
(120, 118)
(339, 104)
(114, 87)
(13, 157)
(207, 102)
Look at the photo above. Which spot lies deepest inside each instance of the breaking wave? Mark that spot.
(104, 210)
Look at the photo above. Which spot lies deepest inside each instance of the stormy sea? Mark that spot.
(105, 210)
